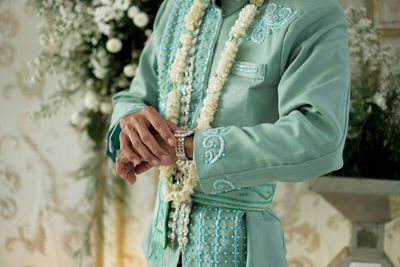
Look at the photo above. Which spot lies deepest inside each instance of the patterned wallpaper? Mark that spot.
(40, 208)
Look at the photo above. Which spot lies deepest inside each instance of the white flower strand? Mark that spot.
(192, 20)
(210, 103)
(174, 192)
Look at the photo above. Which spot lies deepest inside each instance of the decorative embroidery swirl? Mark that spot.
(223, 186)
(274, 18)
(215, 144)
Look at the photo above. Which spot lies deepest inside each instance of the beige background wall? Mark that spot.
(40, 208)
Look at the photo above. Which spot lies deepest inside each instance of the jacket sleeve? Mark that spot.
(307, 140)
(143, 88)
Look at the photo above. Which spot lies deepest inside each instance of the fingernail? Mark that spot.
(171, 142)
(155, 162)
(164, 157)
(135, 162)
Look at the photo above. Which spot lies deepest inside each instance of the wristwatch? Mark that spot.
(180, 146)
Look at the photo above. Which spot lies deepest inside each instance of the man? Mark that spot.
(282, 116)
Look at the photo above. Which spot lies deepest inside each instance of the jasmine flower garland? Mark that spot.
(180, 194)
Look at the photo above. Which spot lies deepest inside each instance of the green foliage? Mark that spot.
(75, 36)
(372, 147)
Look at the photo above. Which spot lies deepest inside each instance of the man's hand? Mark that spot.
(138, 143)
(144, 166)
(125, 168)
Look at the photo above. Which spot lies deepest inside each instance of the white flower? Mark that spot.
(130, 70)
(99, 60)
(379, 100)
(91, 101)
(114, 45)
(104, 13)
(194, 15)
(132, 11)
(173, 106)
(106, 2)
(246, 16)
(94, 41)
(76, 119)
(141, 19)
(106, 108)
(100, 72)
(178, 65)
(257, 2)
(186, 39)
(122, 4)
(104, 28)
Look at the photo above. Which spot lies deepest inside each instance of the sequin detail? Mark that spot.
(214, 144)
(274, 18)
(215, 230)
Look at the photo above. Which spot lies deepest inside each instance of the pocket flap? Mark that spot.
(248, 69)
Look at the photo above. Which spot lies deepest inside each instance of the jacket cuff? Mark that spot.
(112, 138)
(209, 153)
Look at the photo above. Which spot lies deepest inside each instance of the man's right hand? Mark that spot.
(138, 144)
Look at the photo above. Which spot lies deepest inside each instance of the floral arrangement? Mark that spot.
(373, 139)
(93, 48)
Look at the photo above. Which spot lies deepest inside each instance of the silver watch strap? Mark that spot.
(180, 146)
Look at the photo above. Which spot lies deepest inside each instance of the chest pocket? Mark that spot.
(249, 70)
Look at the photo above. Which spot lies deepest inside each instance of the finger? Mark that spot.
(161, 126)
(127, 149)
(142, 167)
(125, 168)
(171, 126)
(142, 149)
(151, 143)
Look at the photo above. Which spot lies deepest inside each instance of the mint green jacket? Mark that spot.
(282, 115)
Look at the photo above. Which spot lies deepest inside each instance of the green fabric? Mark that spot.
(282, 115)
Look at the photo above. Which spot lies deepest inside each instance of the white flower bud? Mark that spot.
(132, 11)
(114, 45)
(90, 101)
(105, 108)
(130, 70)
(76, 119)
(122, 4)
(141, 19)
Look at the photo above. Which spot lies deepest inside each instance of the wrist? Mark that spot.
(189, 146)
